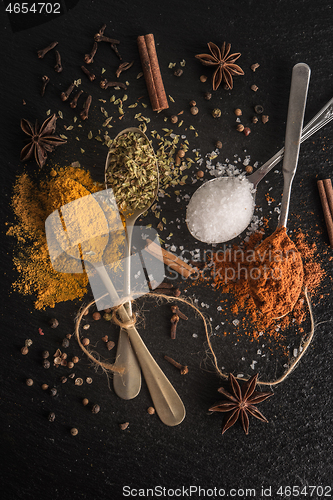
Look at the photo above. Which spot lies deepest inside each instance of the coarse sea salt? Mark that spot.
(221, 210)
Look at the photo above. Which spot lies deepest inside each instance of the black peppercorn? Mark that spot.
(95, 409)
(65, 343)
(259, 109)
(208, 96)
(53, 391)
(45, 354)
(46, 364)
(54, 323)
(51, 417)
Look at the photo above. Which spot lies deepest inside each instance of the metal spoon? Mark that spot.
(296, 109)
(297, 102)
(324, 116)
(86, 236)
(128, 384)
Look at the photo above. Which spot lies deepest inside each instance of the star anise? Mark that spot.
(225, 63)
(42, 140)
(241, 402)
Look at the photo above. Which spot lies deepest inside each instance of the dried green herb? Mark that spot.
(132, 171)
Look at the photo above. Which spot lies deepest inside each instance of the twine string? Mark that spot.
(106, 366)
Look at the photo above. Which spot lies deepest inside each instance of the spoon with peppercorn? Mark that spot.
(233, 198)
(132, 172)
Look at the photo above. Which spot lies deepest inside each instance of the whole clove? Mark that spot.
(45, 80)
(104, 84)
(183, 369)
(89, 58)
(101, 31)
(73, 103)
(123, 67)
(174, 321)
(85, 112)
(86, 71)
(58, 66)
(101, 38)
(116, 51)
(175, 310)
(41, 53)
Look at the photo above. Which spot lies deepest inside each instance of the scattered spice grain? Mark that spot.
(124, 426)
(54, 323)
(95, 409)
(216, 113)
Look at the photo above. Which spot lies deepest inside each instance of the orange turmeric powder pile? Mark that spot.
(32, 202)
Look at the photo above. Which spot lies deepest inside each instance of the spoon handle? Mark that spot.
(166, 400)
(324, 116)
(128, 384)
(297, 102)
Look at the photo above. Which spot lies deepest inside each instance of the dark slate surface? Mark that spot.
(40, 459)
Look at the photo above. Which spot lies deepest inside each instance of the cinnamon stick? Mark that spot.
(326, 198)
(151, 72)
(169, 259)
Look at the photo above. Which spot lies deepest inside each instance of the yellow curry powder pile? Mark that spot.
(230, 270)
(32, 202)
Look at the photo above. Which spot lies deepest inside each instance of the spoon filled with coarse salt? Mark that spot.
(222, 208)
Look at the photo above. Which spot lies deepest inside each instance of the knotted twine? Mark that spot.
(108, 367)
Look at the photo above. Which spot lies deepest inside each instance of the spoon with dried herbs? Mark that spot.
(132, 172)
(276, 273)
(222, 208)
(81, 230)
